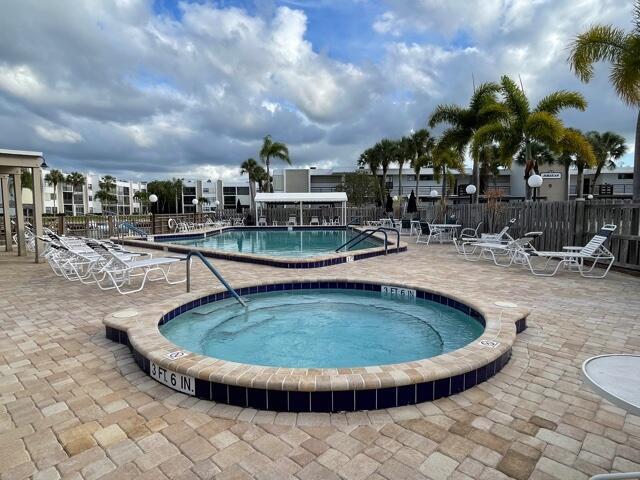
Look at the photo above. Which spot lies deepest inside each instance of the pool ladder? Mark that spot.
(213, 270)
(363, 235)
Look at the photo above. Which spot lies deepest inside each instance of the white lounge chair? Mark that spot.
(118, 272)
(594, 252)
(501, 237)
(502, 254)
(262, 221)
(314, 221)
(292, 220)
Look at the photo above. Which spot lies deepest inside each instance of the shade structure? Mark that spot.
(11, 164)
(304, 198)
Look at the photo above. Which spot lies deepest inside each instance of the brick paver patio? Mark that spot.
(74, 404)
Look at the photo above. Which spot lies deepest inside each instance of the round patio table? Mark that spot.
(616, 378)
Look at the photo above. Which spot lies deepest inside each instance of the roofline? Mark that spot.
(22, 153)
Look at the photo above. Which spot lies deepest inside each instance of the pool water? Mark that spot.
(322, 328)
(280, 243)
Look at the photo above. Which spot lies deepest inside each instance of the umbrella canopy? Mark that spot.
(412, 206)
(239, 207)
(389, 205)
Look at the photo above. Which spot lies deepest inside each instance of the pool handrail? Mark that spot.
(364, 234)
(353, 221)
(214, 270)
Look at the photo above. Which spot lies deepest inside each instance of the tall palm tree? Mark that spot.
(622, 50)
(177, 184)
(608, 148)
(76, 180)
(424, 144)
(271, 149)
(26, 178)
(249, 167)
(517, 127)
(385, 149)
(370, 158)
(443, 161)
(54, 178)
(405, 152)
(464, 122)
(106, 195)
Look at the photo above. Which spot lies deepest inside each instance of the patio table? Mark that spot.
(450, 229)
(617, 378)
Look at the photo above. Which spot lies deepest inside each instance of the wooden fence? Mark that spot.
(562, 223)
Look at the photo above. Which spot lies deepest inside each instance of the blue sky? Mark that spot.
(156, 88)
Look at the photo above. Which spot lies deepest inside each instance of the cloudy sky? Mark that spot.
(156, 88)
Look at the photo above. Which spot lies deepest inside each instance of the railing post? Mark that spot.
(153, 224)
(188, 262)
(61, 224)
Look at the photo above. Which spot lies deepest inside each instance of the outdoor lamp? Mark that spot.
(153, 198)
(194, 201)
(434, 193)
(395, 198)
(216, 203)
(44, 165)
(471, 189)
(535, 181)
(590, 197)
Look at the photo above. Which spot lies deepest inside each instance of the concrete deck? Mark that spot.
(74, 404)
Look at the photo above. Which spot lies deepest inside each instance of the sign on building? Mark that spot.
(551, 174)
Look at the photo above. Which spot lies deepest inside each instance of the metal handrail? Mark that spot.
(364, 234)
(352, 221)
(132, 228)
(213, 270)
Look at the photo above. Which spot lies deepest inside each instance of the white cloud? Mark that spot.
(58, 134)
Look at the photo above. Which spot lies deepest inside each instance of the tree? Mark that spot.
(26, 178)
(177, 184)
(622, 50)
(444, 160)
(371, 159)
(142, 197)
(464, 122)
(164, 190)
(608, 148)
(76, 180)
(424, 144)
(203, 201)
(54, 178)
(360, 187)
(106, 195)
(405, 152)
(250, 167)
(517, 126)
(271, 149)
(385, 150)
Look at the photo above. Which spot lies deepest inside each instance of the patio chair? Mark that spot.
(314, 221)
(429, 231)
(594, 252)
(468, 233)
(117, 273)
(501, 237)
(292, 220)
(512, 250)
(262, 221)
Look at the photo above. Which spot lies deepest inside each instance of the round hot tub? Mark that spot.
(322, 346)
(323, 328)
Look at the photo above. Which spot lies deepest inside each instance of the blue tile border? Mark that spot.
(337, 400)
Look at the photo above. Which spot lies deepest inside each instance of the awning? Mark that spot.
(306, 197)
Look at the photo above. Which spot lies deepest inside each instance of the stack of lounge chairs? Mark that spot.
(105, 264)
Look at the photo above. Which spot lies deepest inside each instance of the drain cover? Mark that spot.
(125, 314)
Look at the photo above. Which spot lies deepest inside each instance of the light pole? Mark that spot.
(153, 198)
(471, 189)
(535, 182)
(216, 204)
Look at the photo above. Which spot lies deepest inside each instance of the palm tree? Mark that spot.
(464, 122)
(249, 167)
(608, 148)
(424, 144)
(517, 127)
(54, 178)
(271, 149)
(26, 178)
(622, 50)
(176, 185)
(385, 150)
(444, 160)
(371, 159)
(76, 180)
(142, 197)
(405, 152)
(260, 175)
(106, 195)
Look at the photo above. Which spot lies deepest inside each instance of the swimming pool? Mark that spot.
(278, 242)
(322, 329)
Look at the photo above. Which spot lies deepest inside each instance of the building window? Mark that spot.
(426, 178)
(243, 190)
(229, 190)
(625, 176)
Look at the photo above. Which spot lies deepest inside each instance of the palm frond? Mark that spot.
(544, 127)
(485, 93)
(575, 143)
(486, 135)
(599, 43)
(514, 98)
(556, 101)
(451, 114)
(625, 74)
(636, 16)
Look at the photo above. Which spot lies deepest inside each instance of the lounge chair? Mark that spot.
(594, 252)
(262, 221)
(292, 220)
(314, 221)
(510, 251)
(501, 237)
